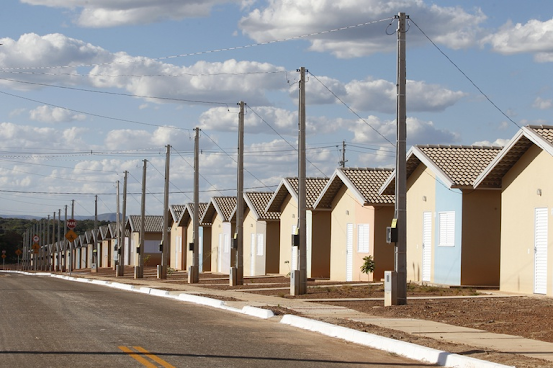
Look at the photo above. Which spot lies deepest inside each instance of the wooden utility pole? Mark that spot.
(237, 273)
(401, 174)
(139, 268)
(194, 269)
(165, 240)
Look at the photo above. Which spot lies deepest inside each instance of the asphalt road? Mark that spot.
(49, 322)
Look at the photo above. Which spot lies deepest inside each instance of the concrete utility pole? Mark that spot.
(71, 244)
(343, 161)
(194, 269)
(48, 248)
(298, 281)
(54, 242)
(59, 241)
(401, 174)
(165, 240)
(117, 232)
(139, 268)
(95, 262)
(65, 240)
(120, 271)
(237, 273)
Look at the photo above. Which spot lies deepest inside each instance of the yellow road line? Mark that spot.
(137, 357)
(155, 358)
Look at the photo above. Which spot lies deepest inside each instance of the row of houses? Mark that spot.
(476, 216)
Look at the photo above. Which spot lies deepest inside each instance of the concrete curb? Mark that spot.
(405, 349)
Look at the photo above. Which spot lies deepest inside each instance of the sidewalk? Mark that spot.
(313, 311)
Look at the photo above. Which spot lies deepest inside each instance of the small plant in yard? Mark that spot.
(170, 271)
(368, 265)
(146, 259)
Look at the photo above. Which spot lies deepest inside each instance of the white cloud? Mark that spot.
(500, 142)
(284, 19)
(109, 13)
(32, 137)
(49, 114)
(535, 37)
(380, 95)
(33, 51)
(376, 131)
(132, 139)
(542, 104)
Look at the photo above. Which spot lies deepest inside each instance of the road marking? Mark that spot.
(143, 361)
(154, 357)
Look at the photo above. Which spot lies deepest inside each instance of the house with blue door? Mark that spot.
(453, 228)
(523, 174)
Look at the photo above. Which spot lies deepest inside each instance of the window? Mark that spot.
(447, 229)
(363, 238)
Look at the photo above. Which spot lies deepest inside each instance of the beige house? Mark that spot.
(285, 201)
(359, 217)
(104, 250)
(452, 227)
(153, 226)
(219, 214)
(204, 240)
(522, 173)
(176, 250)
(261, 234)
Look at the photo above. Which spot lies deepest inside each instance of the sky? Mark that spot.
(91, 89)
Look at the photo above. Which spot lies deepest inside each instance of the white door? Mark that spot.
(349, 252)
(252, 254)
(220, 254)
(540, 251)
(426, 245)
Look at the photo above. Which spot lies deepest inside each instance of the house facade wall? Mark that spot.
(177, 247)
(481, 238)
(221, 236)
(421, 198)
(288, 222)
(520, 199)
(447, 258)
(318, 237)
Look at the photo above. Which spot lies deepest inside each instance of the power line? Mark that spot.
(91, 114)
(307, 35)
(350, 109)
(465, 75)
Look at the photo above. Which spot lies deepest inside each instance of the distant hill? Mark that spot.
(110, 217)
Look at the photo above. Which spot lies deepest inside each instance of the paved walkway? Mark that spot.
(440, 331)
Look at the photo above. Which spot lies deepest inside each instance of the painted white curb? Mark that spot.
(258, 312)
(405, 349)
(121, 286)
(201, 300)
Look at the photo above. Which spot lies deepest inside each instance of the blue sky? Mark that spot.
(89, 89)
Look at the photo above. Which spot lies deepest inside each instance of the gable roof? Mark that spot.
(223, 206)
(540, 135)
(257, 203)
(455, 166)
(290, 186)
(188, 212)
(363, 183)
(152, 224)
(176, 210)
(104, 232)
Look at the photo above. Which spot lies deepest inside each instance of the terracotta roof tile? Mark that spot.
(152, 224)
(545, 131)
(365, 182)
(462, 164)
(257, 201)
(176, 211)
(314, 187)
